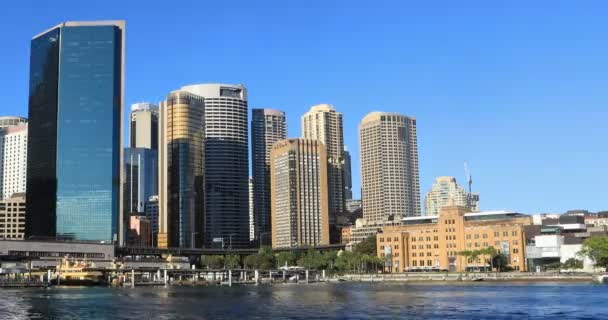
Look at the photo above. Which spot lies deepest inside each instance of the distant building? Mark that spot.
(75, 123)
(267, 127)
(143, 126)
(434, 242)
(12, 217)
(181, 174)
(13, 155)
(140, 234)
(151, 212)
(226, 163)
(445, 191)
(251, 217)
(353, 205)
(389, 167)
(345, 237)
(141, 179)
(348, 177)
(298, 170)
(323, 123)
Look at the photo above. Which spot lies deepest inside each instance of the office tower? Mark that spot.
(389, 167)
(324, 124)
(13, 155)
(75, 132)
(141, 179)
(151, 212)
(143, 126)
(181, 169)
(445, 191)
(267, 127)
(348, 178)
(299, 206)
(139, 233)
(226, 164)
(251, 219)
(12, 216)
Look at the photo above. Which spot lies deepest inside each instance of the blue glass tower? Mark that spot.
(76, 102)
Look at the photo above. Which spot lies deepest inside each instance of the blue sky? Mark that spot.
(519, 89)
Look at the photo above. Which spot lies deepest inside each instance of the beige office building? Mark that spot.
(143, 126)
(298, 188)
(389, 167)
(12, 217)
(181, 165)
(324, 124)
(446, 191)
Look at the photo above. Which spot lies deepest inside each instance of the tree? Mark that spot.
(250, 261)
(285, 258)
(572, 263)
(212, 261)
(491, 253)
(596, 249)
(501, 262)
(367, 246)
(265, 258)
(312, 259)
(232, 261)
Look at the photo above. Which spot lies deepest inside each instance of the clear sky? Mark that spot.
(519, 89)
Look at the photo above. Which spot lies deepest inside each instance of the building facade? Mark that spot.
(323, 123)
(141, 179)
(445, 191)
(226, 163)
(251, 216)
(13, 156)
(299, 204)
(348, 178)
(12, 217)
(389, 167)
(75, 124)
(151, 211)
(181, 171)
(143, 126)
(267, 127)
(436, 242)
(140, 231)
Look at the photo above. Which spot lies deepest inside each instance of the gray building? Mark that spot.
(75, 132)
(143, 126)
(267, 127)
(348, 177)
(226, 163)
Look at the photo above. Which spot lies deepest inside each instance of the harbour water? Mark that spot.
(350, 300)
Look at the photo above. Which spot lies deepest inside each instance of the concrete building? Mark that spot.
(348, 178)
(324, 124)
(181, 171)
(75, 125)
(299, 203)
(226, 163)
(267, 127)
(13, 155)
(433, 242)
(446, 191)
(12, 217)
(140, 231)
(143, 126)
(389, 167)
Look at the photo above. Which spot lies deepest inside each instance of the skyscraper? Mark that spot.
(141, 178)
(143, 126)
(324, 124)
(251, 219)
(298, 171)
(267, 127)
(348, 177)
(389, 167)
(445, 192)
(181, 171)
(13, 156)
(226, 163)
(75, 131)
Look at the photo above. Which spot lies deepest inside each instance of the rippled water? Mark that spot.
(314, 301)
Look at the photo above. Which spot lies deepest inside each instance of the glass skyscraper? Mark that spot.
(75, 131)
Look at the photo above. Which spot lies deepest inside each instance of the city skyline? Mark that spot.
(483, 120)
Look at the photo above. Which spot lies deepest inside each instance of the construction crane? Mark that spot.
(467, 172)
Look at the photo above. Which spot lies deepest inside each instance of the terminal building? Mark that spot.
(433, 243)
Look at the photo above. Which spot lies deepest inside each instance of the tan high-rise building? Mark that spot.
(389, 167)
(445, 191)
(143, 126)
(298, 188)
(436, 242)
(181, 165)
(324, 124)
(12, 215)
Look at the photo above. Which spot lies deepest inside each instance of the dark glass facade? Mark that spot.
(83, 110)
(141, 179)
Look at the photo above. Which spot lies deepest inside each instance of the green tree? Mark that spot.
(572, 263)
(285, 258)
(501, 262)
(232, 261)
(367, 246)
(596, 249)
(212, 261)
(250, 261)
(312, 260)
(265, 259)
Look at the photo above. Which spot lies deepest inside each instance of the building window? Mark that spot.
(485, 235)
(396, 239)
(515, 251)
(514, 233)
(381, 239)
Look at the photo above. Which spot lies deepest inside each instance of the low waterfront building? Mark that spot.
(434, 242)
(12, 217)
(50, 253)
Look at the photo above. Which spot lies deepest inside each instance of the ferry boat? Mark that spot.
(71, 272)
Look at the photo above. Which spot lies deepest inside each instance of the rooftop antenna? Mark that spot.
(467, 172)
